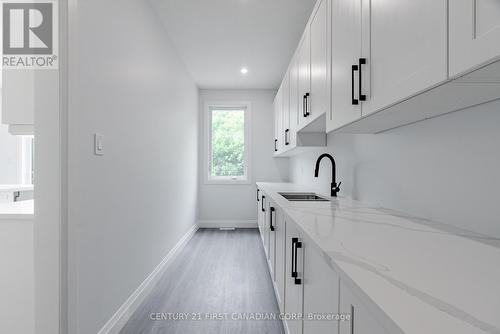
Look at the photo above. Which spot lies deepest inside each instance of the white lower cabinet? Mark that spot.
(265, 229)
(271, 232)
(361, 320)
(310, 293)
(321, 294)
(280, 258)
(294, 274)
(261, 212)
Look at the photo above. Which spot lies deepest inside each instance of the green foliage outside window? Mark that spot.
(228, 143)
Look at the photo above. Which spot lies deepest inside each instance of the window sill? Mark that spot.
(228, 182)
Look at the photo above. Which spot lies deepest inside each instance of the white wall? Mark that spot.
(235, 204)
(128, 208)
(10, 156)
(16, 275)
(445, 169)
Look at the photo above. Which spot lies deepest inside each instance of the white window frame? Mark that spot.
(227, 180)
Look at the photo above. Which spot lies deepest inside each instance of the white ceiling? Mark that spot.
(216, 38)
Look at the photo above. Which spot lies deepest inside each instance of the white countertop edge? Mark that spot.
(23, 210)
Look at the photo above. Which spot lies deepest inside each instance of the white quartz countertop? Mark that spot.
(421, 278)
(15, 187)
(17, 210)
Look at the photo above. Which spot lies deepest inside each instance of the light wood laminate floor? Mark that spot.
(217, 272)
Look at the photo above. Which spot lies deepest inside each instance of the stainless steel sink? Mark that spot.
(304, 197)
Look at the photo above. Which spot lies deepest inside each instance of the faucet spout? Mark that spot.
(335, 188)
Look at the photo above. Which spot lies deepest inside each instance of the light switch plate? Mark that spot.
(98, 144)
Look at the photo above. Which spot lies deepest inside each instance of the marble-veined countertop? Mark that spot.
(421, 277)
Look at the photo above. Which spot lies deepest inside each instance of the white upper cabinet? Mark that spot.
(474, 33)
(285, 133)
(278, 121)
(373, 65)
(304, 83)
(294, 104)
(407, 52)
(18, 105)
(346, 51)
(318, 101)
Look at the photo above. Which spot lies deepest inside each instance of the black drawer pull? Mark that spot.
(276, 145)
(287, 137)
(262, 204)
(258, 194)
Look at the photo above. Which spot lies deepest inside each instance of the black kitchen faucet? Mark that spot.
(335, 188)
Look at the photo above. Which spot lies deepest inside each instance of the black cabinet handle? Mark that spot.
(362, 61)
(262, 204)
(353, 69)
(304, 105)
(271, 227)
(276, 145)
(287, 137)
(307, 104)
(296, 244)
(294, 240)
(258, 194)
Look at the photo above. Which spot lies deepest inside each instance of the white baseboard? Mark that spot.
(227, 223)
(120, 318)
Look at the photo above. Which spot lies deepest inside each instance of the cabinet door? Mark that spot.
(294, 101)
(259, 216)
(265, 228)
(273, 210)
(321, 293)
(474, 33)
(293, 285)
(286, 112)
(319, 99)
(304, 64)
(346, 50)
(279, 271)
(18, 97)
(405, 49)
(278, 111)
(361, 321)
(262, 218)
